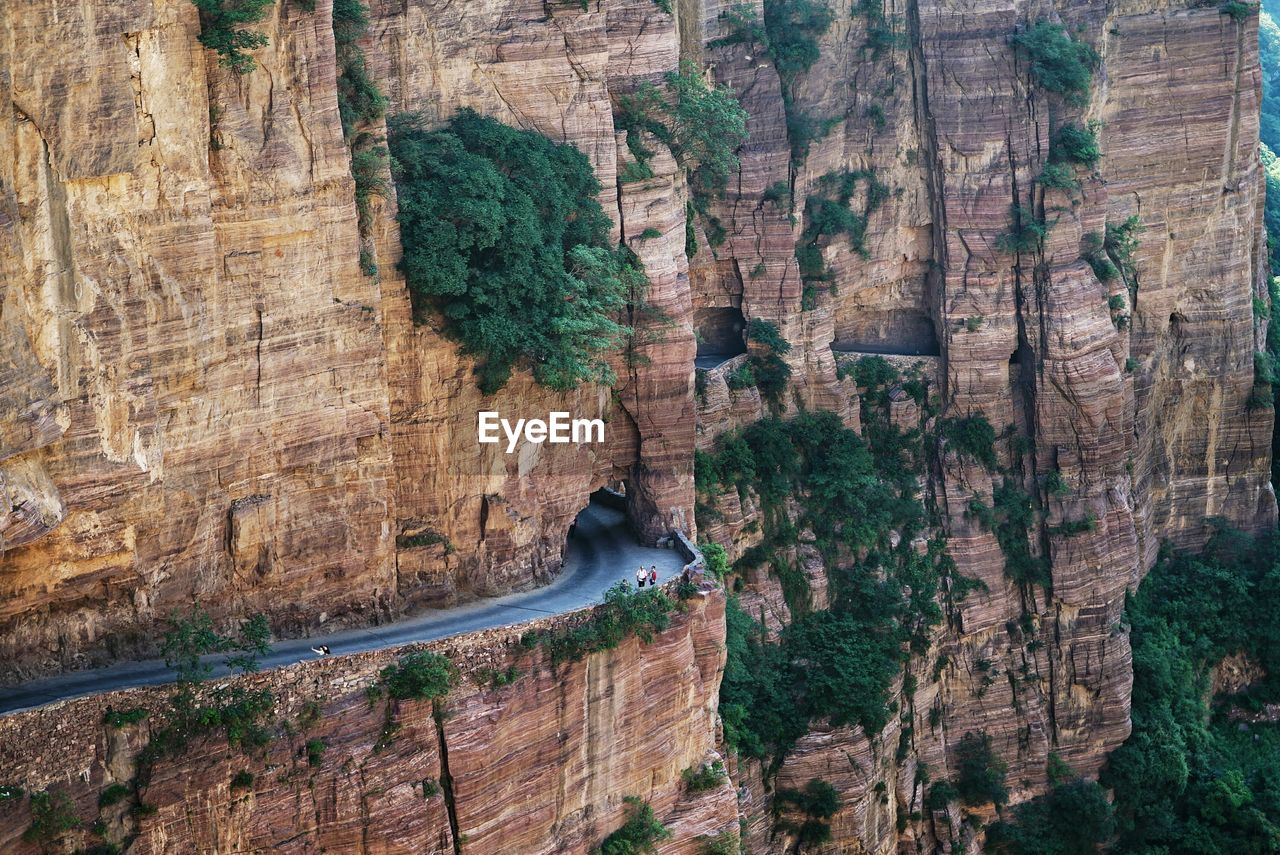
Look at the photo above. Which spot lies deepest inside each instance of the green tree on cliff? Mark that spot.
(1195, 775)
(702, 125)
(503, 237)
(222, 29)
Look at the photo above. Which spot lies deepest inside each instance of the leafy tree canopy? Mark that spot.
(1191, 778)
(702, 125)
(503, 235)
(1058, 63)
(222, 30)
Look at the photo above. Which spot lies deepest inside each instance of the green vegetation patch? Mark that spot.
(223, 30)
(837, 663)
(359, 99)
(980, 773)
(814, 804)
(1074, 144)
(195, 710)
(972, 436)
(623, 614)
(53, 814)
(769, 371)
(639, 835)
(827, 215)
(503, 235)
(1072, 818)
(881, 35)
(708, 776)
(1058, 63)
(702, 125)
(1026, 231)
(360, 103)
(421, 675)
(1058, 176)
(793, 28)
(124, 718)
(1238, 11)
(1191, 777)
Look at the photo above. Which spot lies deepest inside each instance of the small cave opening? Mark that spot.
(1023, 355)
(902, 332)
(721, 335)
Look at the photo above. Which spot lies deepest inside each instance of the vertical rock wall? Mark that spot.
(541, 764)
(252, 422)
(204, 398)
(947, 115)
(181, 251)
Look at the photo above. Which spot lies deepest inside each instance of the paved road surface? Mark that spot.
(601, 552)
(713, 360)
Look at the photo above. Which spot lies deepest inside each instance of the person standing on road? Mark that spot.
(641, 576)
(653, 576)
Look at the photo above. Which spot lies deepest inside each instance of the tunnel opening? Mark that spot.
(903, 332)
(604, 545)
(720, 334)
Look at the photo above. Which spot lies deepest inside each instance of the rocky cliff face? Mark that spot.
(255, 423)
(182, 254)
(948, 116)
(540, 765)
(205, 398)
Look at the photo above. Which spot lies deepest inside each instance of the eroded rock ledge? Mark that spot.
(539, 765)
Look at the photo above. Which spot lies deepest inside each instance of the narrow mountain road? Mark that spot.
(601, 552)
(714, 360)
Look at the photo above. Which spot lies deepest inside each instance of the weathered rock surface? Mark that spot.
(200, 309)
(251, 422)
(947, 117)
(202, 397)
(542, 764)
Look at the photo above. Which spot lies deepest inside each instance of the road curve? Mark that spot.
(601, 551)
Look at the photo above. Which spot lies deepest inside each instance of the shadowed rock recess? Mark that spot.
(976, 325)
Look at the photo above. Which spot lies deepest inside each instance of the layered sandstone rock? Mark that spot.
(194, 294)
(948, 118)
(204, 398)
(252, 422)
(542, 764)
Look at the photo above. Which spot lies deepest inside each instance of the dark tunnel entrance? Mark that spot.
(721, 335)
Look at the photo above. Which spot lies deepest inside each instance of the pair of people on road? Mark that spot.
(650, 575)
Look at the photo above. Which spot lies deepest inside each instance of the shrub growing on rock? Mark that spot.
(1074, 144)
(420, 675)
(816, 803)
(974, 436)
(1057, 176)
(1026, 231)
(623, 613)
(1238, 11)
(702, 125)
(705, 777)
(980, 772)
(794, 27)
(503, 235)
(53, 814)
(1071, 819)
(1058, 63)
(639, 835)
(222, 29)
